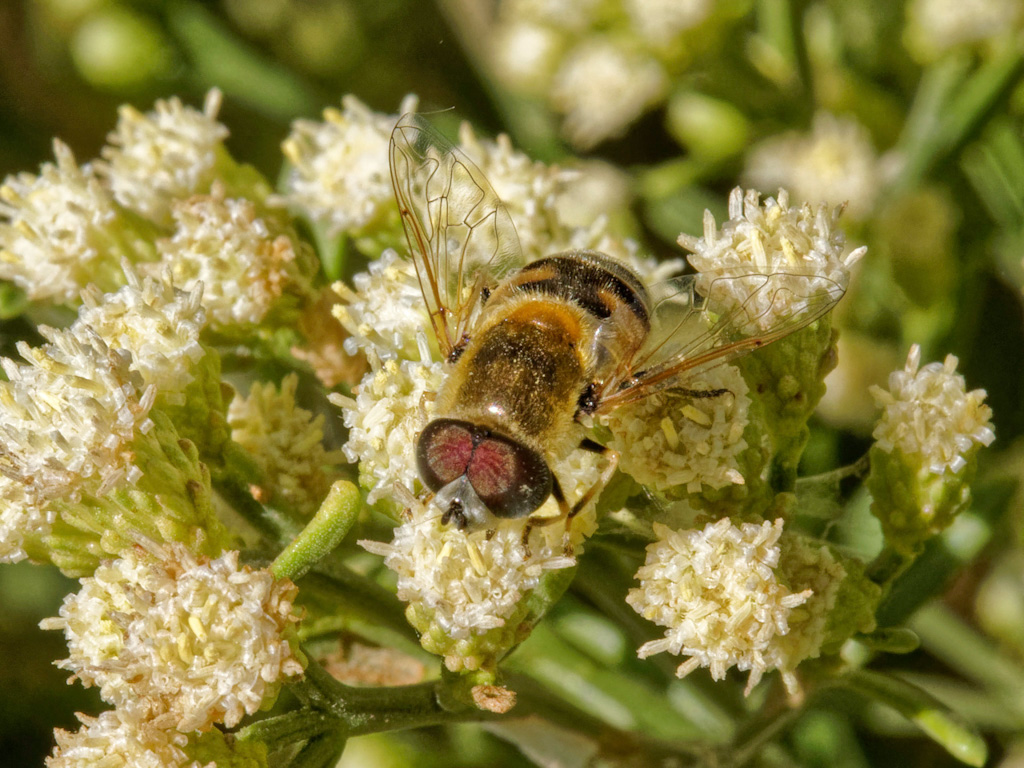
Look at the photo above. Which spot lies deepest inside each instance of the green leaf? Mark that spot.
(322, 534)
(940, 723)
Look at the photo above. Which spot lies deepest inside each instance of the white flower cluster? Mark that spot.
(600, 81)
(928, 413)
(716, 592)
(57, 230)
(287, 443)
(243, 265)
(835, 163)
(340, 175)
(384, 313)
(384, 421)
(602, 88)
(112, 739)
(186, 640)
(471, 581)
(167, 154)
(157, 324)
(67, 228)
(68, 416)
(937, 26)
(671, 440)
(802, 247)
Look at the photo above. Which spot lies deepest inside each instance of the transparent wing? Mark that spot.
(700, 321)
(461, 237)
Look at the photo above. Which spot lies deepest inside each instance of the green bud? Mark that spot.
(912, 502)
(119, 49)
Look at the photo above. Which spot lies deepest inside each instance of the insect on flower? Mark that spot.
(534, 349)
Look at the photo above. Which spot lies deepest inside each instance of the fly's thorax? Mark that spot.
(610, 295)
(522, 372)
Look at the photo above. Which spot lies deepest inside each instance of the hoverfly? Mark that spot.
(533, 349)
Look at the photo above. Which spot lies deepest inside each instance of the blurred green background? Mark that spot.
(939, 121)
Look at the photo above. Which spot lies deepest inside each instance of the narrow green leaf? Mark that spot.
(322, 534)
(941, 724)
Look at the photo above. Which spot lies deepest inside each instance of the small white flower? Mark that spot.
(154, 323)
(661, 21)
(565, 15)
(524, 55)
(67, 422)
(529, 189)
(471, 581)
(59, 231)
(716, 592)
(670, 440)
(242, 264)
(340, 175)
(770, 239)
(167, 634)
(928, 413)
(836, 164)
(384, 313)
(601, 89)
(155, 158)
(117, 740)
(384, 421)
(287, 443)
(936, 26)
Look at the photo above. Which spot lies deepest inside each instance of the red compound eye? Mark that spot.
(511, 479)
(443, 452)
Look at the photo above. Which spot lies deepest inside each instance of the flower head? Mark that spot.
(61, 230)
(384, 313)
(836, 164)
(167, 634)
(772, 239)
(602, 88)
(170, 153)
(117, 739)
(469, 581)
(287, 443)
(936, 26)
(671, 440)
(661, 21)
(384, 421)
(717, 593)
(154, 323)
(340, 175)
(928, 413)
(69, 417)
(244, 265)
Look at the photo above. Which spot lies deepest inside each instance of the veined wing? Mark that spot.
(704, 320)
(461, 237)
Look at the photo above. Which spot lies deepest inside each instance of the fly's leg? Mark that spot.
(567, 512)
(594, 490)
(540, 522)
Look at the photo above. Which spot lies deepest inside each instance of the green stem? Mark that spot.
(320, 752)
(859, 468)
(269, 525)
(289, 728)
(759, 731)
(887, 565)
